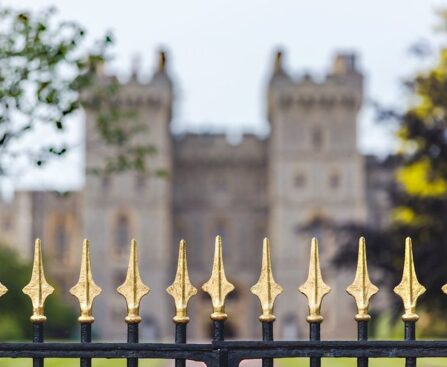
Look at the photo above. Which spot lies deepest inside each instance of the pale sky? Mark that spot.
(220, 53)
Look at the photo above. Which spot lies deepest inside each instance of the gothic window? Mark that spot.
(105, 182)
(122, 234)
(290, 327)
(149, 328)
(140, 182)
(61, 240)
(317, 138)
(300, 180)
(334, 180)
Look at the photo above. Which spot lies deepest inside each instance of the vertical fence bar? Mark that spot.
(132, 338)
(218, 330)
(86, 337)
(409, 289)
(362, 335)
(314, 335)
(181, 290)
(266, 289)
(180, 338)
(133, 290)
(410, 334)
(267, 335)
(37, 338)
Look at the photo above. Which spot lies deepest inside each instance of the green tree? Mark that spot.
(419, 194)
(46, 70)
(16, 308)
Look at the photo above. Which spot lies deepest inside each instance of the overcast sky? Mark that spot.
(220, 54)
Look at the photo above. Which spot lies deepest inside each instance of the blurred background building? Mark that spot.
(305, 179)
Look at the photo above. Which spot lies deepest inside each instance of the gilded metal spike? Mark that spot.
(314, 288)
(3, 289)
(409, 289)
(266, 288)
(38, 288)
(218, 286)
(182, 289)
(133, 289)
(362, 289)
(86, 289)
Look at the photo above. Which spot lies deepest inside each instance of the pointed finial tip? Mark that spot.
(362, 239)
(409, 289)
(181, 289)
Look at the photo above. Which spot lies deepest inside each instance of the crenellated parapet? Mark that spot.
(341, 88)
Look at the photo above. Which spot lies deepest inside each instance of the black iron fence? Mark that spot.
(218, 352)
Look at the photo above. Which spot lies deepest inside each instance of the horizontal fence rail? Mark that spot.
(218, 352)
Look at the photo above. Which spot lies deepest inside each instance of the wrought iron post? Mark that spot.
(314, 289)
(181, 290)
(362, 290)
(267, 290)
(218, 288)
(85, 291)
(38, 290)
(409, 289)
(133, 290)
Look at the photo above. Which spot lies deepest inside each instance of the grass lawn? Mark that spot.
(374, 362)
(292, 362)
(51, 362)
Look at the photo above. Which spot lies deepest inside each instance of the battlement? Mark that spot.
(342, 86)
(215, 148)
(155, 92)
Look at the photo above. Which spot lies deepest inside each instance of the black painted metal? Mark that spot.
(267, 335)
(180, 338)
(362, 335)
(38, 338)
(86, 337)
(236, 350)
(220, 353)
(218, 330)
(410, 334)
(132, 338)
(314, 335)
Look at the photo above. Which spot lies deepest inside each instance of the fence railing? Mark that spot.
(221, 353)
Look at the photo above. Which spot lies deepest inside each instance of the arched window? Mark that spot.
(122, 234)
(290, 327)
(334, 180)
(317, 138)
(61, 240)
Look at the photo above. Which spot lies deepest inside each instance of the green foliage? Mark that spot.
(419, 196)
(46, 74)
(16, 307)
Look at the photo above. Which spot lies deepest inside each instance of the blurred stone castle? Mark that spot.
(295, 184)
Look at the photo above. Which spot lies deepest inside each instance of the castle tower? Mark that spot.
(316, 181)
(129, 205)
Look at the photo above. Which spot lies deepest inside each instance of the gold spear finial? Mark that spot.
(218, 286)
(86, 289)
(314, 288)
(362, 289)
(181, 289)
(133, 289)
(266, 288)
(3, 289)
(409, 289)
(38, 288)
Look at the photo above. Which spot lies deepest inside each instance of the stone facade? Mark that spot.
(290, 186)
